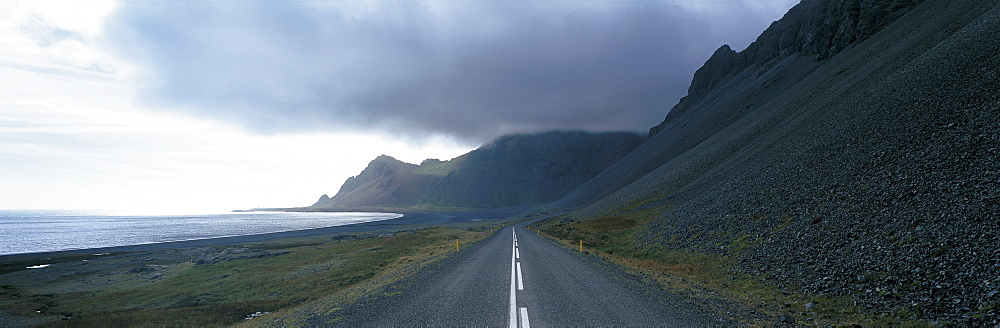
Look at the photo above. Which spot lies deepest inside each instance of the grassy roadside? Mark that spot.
(704, 276)
(289, 282)
(382, 209)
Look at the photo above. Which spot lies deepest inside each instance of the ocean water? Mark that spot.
(45, 231)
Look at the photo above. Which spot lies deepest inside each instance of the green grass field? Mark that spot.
(308, 278)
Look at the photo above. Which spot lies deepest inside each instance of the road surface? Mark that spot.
(516, 278)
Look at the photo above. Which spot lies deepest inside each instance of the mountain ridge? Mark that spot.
(512, 170)
(784, 53)
(811, 28)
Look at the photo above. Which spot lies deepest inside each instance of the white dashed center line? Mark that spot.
(520, 283)
(512, 319)
(516, 283)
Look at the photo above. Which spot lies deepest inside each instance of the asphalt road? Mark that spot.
(517, 278)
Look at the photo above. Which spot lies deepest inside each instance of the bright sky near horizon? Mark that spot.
(205, 106)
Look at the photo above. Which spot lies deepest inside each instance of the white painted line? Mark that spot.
(520, 283)
(524, 318)
(512, 319)
(517, 253)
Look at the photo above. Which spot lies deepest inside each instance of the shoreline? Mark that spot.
(227, 281)
(407, 220)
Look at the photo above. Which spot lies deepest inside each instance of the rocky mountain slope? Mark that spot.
(853, 149)
(731, 84)
(510, 171)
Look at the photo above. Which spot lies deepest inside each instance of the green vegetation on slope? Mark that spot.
(441, 168)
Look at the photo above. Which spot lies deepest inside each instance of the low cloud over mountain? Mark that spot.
(473, 70)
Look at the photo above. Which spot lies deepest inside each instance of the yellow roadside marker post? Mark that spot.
(456, 245)
(581, 246)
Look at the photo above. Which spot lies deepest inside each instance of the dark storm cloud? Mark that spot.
(471, 69)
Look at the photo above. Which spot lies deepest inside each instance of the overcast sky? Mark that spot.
(214, 104)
